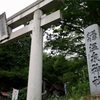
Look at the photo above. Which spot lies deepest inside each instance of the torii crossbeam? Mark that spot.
(35, 14)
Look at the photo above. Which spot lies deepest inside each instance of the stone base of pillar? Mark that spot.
(92, 98)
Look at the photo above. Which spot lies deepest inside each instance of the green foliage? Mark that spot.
(70, 98)
(69, 38)
(74, 71)
(12, 79)
(16, 54)
(48, 68)
(68, 47)
(14, 60)
(22, 94)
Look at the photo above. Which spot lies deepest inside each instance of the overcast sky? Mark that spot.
(13, 6)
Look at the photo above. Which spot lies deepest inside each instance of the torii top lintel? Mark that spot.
(26, 14)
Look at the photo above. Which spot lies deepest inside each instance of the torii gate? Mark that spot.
(36, 15)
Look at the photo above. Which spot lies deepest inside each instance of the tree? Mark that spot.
(68, 39)
(14, 60)
(58, 70)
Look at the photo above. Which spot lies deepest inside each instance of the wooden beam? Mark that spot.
(26, 14)
(46, 21)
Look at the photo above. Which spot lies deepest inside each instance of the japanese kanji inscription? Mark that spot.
(92, 39)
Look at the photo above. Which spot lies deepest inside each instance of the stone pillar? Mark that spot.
(34, 91)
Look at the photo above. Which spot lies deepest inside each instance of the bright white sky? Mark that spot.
(13, 6)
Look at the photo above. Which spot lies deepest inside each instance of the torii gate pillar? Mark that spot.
(35, 69)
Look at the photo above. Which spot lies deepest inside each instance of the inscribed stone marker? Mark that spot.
(92, 38)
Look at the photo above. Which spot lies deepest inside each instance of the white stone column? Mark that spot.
(34, 91)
